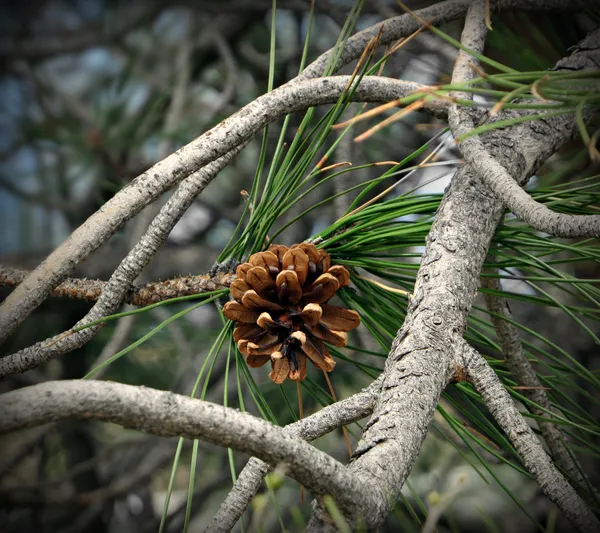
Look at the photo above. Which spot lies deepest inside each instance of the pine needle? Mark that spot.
(395, 117)
(385, 287)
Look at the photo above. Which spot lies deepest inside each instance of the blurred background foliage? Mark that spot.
(93, 92)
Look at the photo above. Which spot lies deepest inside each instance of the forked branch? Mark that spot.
(250, 479)
(509, 190)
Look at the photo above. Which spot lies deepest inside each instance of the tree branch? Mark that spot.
(517, 199)
(526, 376)
(536, 460)
(248, 482)
(509, 191)
(169, 414)
(472, 37)
(140, 295)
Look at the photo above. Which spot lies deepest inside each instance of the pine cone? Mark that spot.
(282, 313)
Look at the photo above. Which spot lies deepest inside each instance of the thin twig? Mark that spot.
(141, 295)
(536, 460)
(526, 376)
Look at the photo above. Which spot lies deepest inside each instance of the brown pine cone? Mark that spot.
(282, 313)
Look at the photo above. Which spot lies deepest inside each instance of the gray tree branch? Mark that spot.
(518, 200)
(536, 460)
(500, 181)
(168, 414)
(251, 477)
(421, 362)
(520, 367)
(532, 452)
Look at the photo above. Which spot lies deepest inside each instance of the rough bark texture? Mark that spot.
(521, 369)
(499, 179)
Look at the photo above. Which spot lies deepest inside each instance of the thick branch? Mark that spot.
(157, 291)
(169, 414)
(473, 37)
(526, 376)
(536, 460)
(147, 187)
(421, 362)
